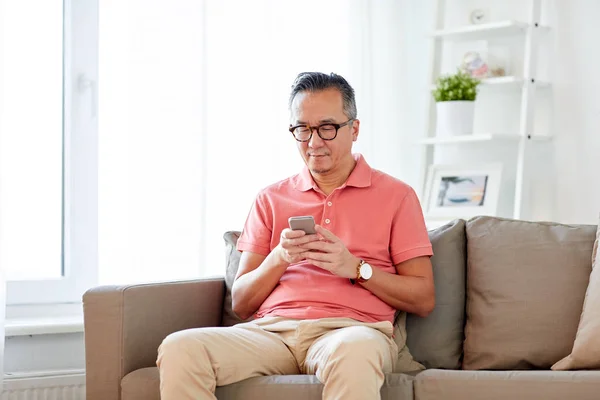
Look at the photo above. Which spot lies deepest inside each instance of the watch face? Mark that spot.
(366, 271)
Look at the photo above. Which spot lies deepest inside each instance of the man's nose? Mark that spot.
(315, 140)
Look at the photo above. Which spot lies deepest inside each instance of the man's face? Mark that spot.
(316, 108)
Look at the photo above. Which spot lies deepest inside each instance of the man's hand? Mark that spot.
(290, 248)
(330, 253)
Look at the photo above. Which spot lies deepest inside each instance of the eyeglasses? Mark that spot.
(303, 133)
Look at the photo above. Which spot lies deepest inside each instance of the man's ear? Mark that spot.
(355, 129)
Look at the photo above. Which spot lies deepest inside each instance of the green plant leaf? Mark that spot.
(455, 87)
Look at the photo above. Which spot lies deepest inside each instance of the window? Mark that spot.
(48, 137)
(31, 151)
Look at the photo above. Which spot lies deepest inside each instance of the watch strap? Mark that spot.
(358, 277)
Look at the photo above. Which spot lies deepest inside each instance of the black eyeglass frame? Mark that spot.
(318, 128)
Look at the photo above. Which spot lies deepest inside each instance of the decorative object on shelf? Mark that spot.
(479, 16)
(481, 65)
(462, 191)
(455, 103)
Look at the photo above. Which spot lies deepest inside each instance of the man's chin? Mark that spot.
(318, 165)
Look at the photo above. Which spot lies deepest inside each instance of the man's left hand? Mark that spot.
(330, 253)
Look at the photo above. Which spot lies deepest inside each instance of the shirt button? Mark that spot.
(329, 203)
(327, 221)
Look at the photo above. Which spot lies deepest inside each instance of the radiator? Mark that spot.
(46, 387)
(55, 393)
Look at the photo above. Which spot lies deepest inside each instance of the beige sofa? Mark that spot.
(508, 300)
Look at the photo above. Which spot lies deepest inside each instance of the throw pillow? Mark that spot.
(437, 340)
(232, 257)
(526, 284)
(586, 349)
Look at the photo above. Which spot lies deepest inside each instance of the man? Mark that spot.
(324, 303)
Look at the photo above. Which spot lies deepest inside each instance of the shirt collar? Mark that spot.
(359, 177)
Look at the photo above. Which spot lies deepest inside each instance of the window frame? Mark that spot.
(80, 166)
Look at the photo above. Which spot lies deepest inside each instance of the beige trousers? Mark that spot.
(347, 356)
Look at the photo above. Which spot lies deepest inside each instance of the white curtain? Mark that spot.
(193, 114)
(2, 316)
(2, 281)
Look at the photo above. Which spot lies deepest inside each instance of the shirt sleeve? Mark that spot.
(257, 232)
(409, 237)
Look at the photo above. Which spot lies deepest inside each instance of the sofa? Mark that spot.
(509, 296)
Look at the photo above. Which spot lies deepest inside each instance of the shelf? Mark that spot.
(480, 137)
(510, 81)
(506, 82)
(483, 31)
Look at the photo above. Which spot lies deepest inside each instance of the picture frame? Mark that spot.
(462, 191)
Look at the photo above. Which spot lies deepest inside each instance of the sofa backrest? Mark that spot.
(509, 293)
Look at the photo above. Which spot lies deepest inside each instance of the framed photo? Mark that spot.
(455, 191)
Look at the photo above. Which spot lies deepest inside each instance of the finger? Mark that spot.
(287, 233)
(326, 234)
(314, 255)
(308, 238)
(320, 245)
(302, 240)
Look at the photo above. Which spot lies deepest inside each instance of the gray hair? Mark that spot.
(317, 81)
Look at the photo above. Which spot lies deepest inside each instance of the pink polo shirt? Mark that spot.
(378, 218)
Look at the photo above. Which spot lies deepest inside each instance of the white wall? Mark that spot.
(44, 353)
(576, 119)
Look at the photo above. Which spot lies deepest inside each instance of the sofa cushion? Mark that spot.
(437, 340)
(141, 384)
(438, 384)
(232, 260)
(526, 283)
(305, 387)
(144, 384)
(586, 349)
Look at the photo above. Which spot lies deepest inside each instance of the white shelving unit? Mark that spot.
(527, 83)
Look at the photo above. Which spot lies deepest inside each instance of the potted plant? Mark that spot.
(455, 103)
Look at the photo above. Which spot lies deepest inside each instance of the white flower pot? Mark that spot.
(454, 118)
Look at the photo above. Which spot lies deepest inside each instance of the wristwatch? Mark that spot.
(364, 272)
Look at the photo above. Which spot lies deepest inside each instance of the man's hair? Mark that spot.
(317, 81)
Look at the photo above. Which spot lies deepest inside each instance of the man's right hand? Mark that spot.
(258, 274)
(290, 248)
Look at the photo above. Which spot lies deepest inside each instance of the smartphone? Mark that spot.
(303, 223)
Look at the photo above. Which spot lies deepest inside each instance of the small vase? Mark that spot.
(454, 118)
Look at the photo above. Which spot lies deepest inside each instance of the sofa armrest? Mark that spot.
(124, 325)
